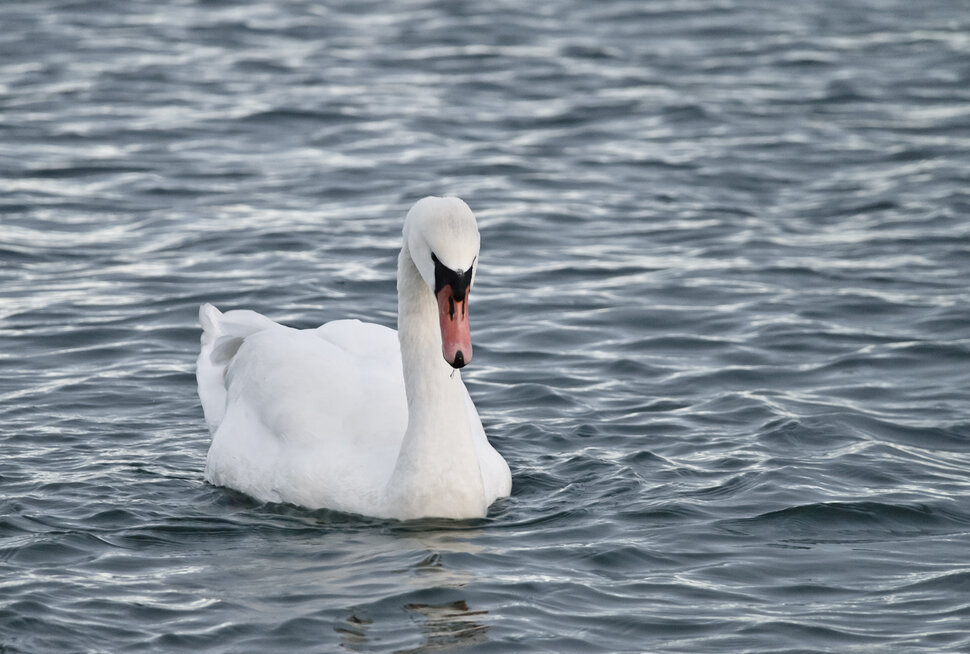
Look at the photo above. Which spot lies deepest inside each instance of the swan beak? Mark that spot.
(456, 338)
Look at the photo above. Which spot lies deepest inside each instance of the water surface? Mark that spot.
(721, 320)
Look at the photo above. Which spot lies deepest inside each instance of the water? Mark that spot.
(721, 321)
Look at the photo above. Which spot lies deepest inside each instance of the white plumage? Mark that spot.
(354, 416)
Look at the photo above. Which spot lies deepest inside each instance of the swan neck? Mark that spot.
(437, 471)
(430, 383)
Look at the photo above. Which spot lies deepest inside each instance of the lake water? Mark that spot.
(721, 324)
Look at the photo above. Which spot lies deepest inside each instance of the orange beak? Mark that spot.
(456, 337)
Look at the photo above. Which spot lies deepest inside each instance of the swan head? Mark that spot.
(442, 238)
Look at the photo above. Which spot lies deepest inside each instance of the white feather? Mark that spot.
(335, 417)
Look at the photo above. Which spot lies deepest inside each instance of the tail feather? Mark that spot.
(222, 336)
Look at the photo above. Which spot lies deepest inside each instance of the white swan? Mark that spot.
(354, 416)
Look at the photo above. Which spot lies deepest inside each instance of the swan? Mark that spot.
(353, 416)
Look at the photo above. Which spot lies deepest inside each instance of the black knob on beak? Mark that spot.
(459, 361)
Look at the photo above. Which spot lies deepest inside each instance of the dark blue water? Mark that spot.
(722, 323)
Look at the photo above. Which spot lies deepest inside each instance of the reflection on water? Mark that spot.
(442, 627)
(353, 632)
(446, 625)
(442, 620)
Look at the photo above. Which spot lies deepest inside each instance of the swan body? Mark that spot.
(354, 416)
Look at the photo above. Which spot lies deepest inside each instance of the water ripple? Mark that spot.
(721, 323)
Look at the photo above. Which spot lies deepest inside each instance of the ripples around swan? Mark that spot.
(721, 321)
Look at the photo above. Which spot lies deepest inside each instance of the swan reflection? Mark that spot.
(442, 627)
(436, 615)
(446, 625)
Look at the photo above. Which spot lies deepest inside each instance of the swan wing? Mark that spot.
(312, 417)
